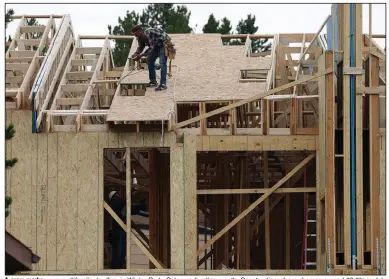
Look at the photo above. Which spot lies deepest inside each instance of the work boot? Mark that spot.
(161, 87)
(152, 84)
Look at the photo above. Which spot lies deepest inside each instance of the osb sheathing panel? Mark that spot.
(140, 108)
(52, 181)
(67, 213)
(209, 71)
(41, 198)
(103, 143)
(87, 201)
(21, 186)
(67, 201)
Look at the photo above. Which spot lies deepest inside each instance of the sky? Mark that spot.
(93, 19)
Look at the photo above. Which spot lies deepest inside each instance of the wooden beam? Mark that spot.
(374, 165)
(255, 191)
(35, 16)
(294, 105)
(89, 92)
(329, 103)
(153, 205)
(155, 261)
(255, 204)
(103, 37)
(314, 38)
(359, 139)
(371, 90)
(244, 36)
(203, 122)
(346, 139)
(287, 230)
(128, 206)
(259, 221)
(267, 217)
(248, 100)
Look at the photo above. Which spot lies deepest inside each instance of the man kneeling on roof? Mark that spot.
(155, 39)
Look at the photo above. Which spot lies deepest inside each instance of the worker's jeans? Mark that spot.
(158, 53)
(119, 249)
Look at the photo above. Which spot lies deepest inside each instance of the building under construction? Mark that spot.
(249, 163)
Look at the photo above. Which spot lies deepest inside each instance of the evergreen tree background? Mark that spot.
(8, 19)
(34, 35)
(29, 22)
(124, 27)
(247, 26)
(9, 134)
(222, 26)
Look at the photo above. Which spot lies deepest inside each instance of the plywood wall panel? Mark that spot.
(103, 143)
(21, 186)
(87, 201)
(34, 197)
(52, 187)
(113, 140)
(67, 201)
(41, 199)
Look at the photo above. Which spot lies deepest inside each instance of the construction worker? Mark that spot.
(118, 235)
(154, 39)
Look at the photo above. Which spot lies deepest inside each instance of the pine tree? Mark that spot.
(9, 133)
(34, 35)
(247, 26)
(212, 26)
(225, 29)
(8, 19)
(122, 47)
(173, 19)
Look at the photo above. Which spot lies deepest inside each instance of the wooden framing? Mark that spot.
(298, 110)
(32, 54)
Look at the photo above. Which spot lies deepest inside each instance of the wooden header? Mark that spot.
(36, 16)
(103, 37)
(244, 36)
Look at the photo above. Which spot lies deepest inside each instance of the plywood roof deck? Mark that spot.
(207, 70)
(141, 108)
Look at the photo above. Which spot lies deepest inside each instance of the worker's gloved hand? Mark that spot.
(137, 57)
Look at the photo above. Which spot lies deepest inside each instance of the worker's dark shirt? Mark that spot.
(118, 206)
(153, 38)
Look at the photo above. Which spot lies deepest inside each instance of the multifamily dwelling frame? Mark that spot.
(251, 163)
